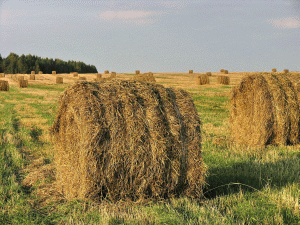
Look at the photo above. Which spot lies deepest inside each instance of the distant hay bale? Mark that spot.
(82, 78)
(274, 70)
(22, 83)
(75, 74)
(40, 72)
(32, 77)
(53, 72)
(20, 78)
(225, 71)
(106, 72)
(264, 109)
(223, 80)
(208, 74)
(4, 85)
(222, 70)
(146, 77)
(32, 72)
(286, 71)
(191, 71)
(127, 140)
(202, 79)
(137, 72)
(98, 76)
(59, 80)
(113, 75)
(2, 74)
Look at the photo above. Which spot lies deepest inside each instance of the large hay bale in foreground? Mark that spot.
(32, 77)
(113, 75)
(264, 110)
(59, 80)
(223, 80)
(2, 74)
(127, 140)
(22, 83)
(191, 71)
(274, 70)
(146, 77)
(202, 79)
(4, 85)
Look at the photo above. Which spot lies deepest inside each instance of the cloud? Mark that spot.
(285, 23)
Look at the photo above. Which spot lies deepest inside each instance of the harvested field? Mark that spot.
(157, 128)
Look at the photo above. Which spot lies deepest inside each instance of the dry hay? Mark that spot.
(127, 140)
(2, 74)
(208, 74)
(20, 78)
(286, 71)
(222, 70)
(32, 77)
(40, 72)
(75, 74)
(223, 80)
(32, 72)
(191, 71)
(82, 78)
(53, 72)
(98, 76)
(225, 72)
(202, 79)
(146, 77)
(4, 86)
(106, 72)
(137, 72)
(59, 80)
(264, 110)
(22, 83)
(113, 75)
(274, 70)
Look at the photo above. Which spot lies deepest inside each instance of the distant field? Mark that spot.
(244, 185)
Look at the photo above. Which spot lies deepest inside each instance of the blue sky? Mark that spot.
(157, 36)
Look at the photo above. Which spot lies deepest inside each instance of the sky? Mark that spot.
(157, 36)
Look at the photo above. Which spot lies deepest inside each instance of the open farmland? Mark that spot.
(244, 185)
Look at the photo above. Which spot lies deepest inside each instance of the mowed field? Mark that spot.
(245, 185)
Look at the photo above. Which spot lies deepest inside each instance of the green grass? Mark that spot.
(244, 185)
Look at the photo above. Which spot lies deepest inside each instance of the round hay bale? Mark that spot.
(40, 72)
(32, 72)
(106, 72)
(225, 71)
(22, 83)
(4, 85)
(202, 79)
(191, 71)
(222, 70)
(127, 140)
(223, 80)
(59, 80)
(264, 109)
(53, 72)
(32, 77)
(286, 71)
(208, 74)
(146, 77)
(113, 75)
(274, 70)
(82, 78)
(137, 72)
(75, 74)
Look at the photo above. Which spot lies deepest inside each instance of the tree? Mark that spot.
(22, 65)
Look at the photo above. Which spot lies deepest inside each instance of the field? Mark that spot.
(244, 185)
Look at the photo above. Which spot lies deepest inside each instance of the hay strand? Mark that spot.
(4, 85)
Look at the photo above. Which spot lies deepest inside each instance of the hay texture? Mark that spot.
(202, 79)
(137, 72)
(225, 72)
(75, 74)
(191, 71)
(106, 72)
(146, 77)
(32, 72)
(53, 72)
(22, 83)
(222, 70)
(127, 140)
(59, 80)
(82, 78)
(286, 71)
(2, 74)
(98, 76)
(20, 78)
(40, 72)
(113, 75)
(264, 109)
(4, 86)
(223, 80)
(274, 70)
(208, 74)
(32, 77)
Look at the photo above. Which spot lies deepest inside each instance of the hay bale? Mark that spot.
(98, 76)
(222, 70)
(113, 75)
(4, 85)
(75, 74)
(274, 70)
(20, 78)
(286, 71)
(59, 80)
(2, 75)
(264, 110)
(225, 72)
(208, 74)
(40, 72)
(146, 77)
(127, 140)
(202, 79)
(22, 83)
(137, 72)
(32, 77)
(82, 78)
(53, 72)
(32, 72)
(191, 71)
(223, 80)
(106, 72)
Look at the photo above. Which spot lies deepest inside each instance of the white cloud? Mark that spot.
(285, 23)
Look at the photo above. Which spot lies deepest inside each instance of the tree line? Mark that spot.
(13, 64)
